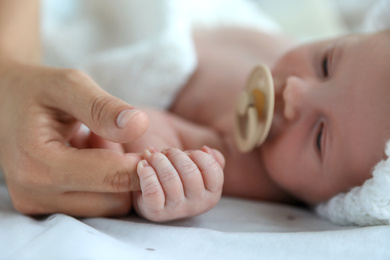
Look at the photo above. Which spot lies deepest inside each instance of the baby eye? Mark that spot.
(325, 66)
(319, 138)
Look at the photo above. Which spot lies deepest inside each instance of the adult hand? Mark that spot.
(41, 109)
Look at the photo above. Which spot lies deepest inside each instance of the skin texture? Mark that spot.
(226, 57)
(177, 184)
(43, 158)
(51, 166)
(348, 100)
(345, 100)
(179, 176)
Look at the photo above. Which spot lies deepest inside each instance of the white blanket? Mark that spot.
(234, 229)
(140, 51)
(148, 66)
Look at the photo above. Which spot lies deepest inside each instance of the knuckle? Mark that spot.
(172, 152)
(186, 166)
(119, 181)
(152, 190)
(213, 174)
(25, 207)
(215, 167)
(74, 76)
(188, 169)
(206, 161)
(152, 187)
(165, 171)
(70, 78)
(176, 203)
(99, 108)
(167, 175)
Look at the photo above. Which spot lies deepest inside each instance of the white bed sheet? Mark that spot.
(234, 229)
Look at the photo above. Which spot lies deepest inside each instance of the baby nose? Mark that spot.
(294, 97)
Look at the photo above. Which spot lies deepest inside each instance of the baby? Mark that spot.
(329, 130)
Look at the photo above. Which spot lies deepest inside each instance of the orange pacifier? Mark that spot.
(255, 109)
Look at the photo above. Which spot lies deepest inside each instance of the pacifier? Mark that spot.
(255, 109)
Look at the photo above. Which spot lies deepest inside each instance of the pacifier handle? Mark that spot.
(255, 109)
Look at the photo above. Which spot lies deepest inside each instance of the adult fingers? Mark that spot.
(93, 204)
(74, 92)
(67, 170)
(80, 204)
(91, 170)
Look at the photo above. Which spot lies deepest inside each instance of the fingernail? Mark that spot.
(208, 150)
(150, 151)
(142, 164)
(188, 152)
(125, 116)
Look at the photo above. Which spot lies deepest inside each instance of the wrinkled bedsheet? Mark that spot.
(235, 228)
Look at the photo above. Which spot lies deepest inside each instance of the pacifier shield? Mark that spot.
(255, 109)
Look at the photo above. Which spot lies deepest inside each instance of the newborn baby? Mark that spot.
(329, 130)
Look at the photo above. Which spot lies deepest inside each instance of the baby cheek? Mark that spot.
(279, 164)
(292, 169)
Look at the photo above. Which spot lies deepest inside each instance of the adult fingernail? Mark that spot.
(125, 116)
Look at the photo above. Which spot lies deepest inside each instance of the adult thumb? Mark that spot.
(107, 116)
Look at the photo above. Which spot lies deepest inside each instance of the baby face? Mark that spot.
(332, 115)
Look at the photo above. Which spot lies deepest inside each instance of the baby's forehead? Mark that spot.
(376, 45)
(365, 56)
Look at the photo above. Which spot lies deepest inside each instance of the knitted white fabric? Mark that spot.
(368, 204)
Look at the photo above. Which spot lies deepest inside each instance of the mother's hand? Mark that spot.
(40, 110)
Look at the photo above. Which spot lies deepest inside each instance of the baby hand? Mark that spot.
(177, 184)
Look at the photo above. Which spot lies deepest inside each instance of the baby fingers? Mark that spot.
(159, 180)
(190, 175)
(178, 184)
(210, 163)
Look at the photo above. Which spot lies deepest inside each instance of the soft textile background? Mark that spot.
(106, 40)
